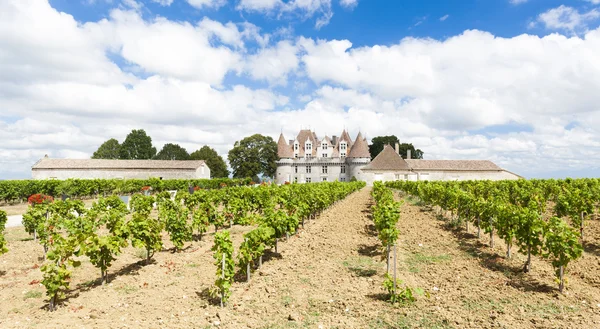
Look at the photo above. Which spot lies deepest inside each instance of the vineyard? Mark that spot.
(514, 254)
(14, 191)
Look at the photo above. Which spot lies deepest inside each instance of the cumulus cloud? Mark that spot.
(63, 94)
(567, 18)
(165, 3)
(518, 2)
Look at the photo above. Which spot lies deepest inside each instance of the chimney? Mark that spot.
(291, 142)
(398, 148)
(408, 154)
(46, 156)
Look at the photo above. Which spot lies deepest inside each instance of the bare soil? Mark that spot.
(328, 275)
(21, 208)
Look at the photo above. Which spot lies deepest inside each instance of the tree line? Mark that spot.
(252, 156)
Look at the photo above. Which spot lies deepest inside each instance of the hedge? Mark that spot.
(19, 190)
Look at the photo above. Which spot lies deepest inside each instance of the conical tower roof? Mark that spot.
(283, 149)
(360, 148)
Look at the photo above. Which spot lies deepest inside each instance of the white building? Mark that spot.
(307, 159)
(389, 166)
(47, 168)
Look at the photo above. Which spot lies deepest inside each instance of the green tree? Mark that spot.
(108, 150)
(252, 156)
(137, 146)
(379, 142)
(216, 164)
(172, 152)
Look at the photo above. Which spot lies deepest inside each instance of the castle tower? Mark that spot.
(358, 157)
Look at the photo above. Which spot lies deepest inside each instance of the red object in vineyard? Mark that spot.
(196, 188)
(39, 199)
(287, 183)
(223, 185)
(146, 188)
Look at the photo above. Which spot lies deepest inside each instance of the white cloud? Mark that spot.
(518, 2)
(596, 2)
(165, 3)
(274, 64)
(200, 4)
(349, 3)
(292, 8)
(567, 18)
(443, 18)
(62, 94)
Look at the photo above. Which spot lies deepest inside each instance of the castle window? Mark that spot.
(343, 169)
(343, 154)
(295, 169)
(324, 146)
(397, 177)
(343, 146)
(324, 155)
(324, 179)
(308, 179)
(295, 179)
(308, 169)
(296, 146)
(342, 179)
(308, 146)
(324, 169)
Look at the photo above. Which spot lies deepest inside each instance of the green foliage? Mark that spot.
(377, 144)
(172, 152)
(252, 156)
(3, 220)
(223, 255)
(20, 190)
(216, 164)
(137, 146)
(144, 231)
(254, 245)
(386, 213)
(561, 246)
(175, 218)
(400, 294)
(108, 150)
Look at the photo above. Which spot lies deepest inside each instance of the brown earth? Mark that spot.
(327, 276)
(21, 208)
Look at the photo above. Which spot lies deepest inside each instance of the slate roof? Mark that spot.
(360, 148)
(283, 149)
(387, 159)
(450, 165)
(47, 163)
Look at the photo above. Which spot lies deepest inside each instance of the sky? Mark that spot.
(513, 81)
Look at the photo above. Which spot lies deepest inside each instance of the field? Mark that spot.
(329, 275)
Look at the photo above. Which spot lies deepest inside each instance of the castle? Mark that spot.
(307, 159)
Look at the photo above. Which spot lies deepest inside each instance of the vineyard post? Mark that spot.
(508, 245)
(478, 228)
(491, 233)
(260, 261)
(394, 269)
(561, 285)
(467, 221)
(222, 277)
(276, 239)
(581, 227)
(387, 259)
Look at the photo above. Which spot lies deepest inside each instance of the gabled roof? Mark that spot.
(47, 163)
(283, 149)
(360, 148)
(463, 165)
(387, 159)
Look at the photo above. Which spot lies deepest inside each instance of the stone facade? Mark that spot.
(118, 169)
(309, 159)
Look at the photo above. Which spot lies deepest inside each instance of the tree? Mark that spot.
(216, 164)
(379, 142)
(137, 146)
(252, 156)
(108, 150)
(172, 152)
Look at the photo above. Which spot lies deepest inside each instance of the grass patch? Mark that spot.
(415, 201)
(415, 260)
(127, 289)
(361, 266)
(410, 321)
(486, 305)
(33, 294)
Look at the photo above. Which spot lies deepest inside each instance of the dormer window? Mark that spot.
(296, 147)
(324, 146)
(343, 146)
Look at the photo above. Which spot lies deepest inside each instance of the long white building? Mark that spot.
(306, 158)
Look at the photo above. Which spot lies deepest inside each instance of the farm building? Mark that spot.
(48, 168)
(389, 165)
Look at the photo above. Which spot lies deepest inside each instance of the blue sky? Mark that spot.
(513, 81)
